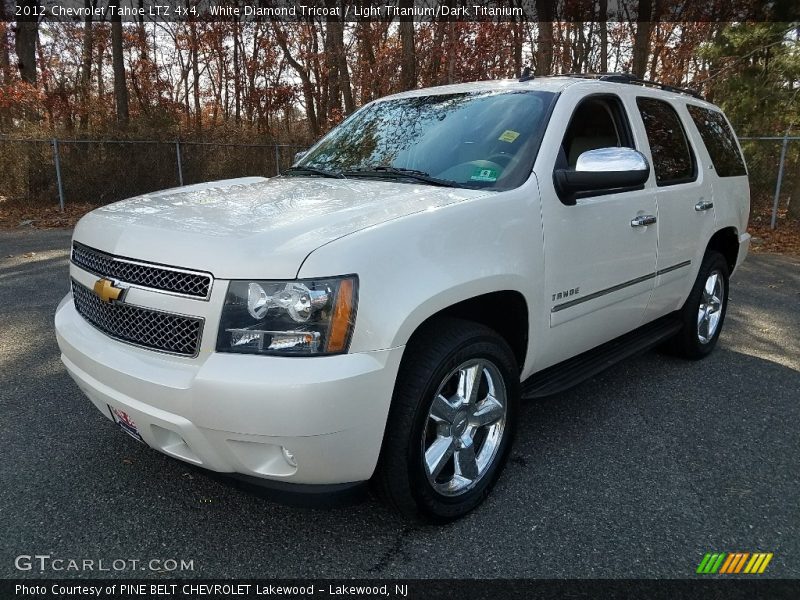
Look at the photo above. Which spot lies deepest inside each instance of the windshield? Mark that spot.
(476, 140)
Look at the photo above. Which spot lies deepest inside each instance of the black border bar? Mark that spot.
(712, 587)
(406, 10)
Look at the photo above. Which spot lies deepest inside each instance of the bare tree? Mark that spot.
(408, 75)
(544, 41)
(86, 66)
(27, 36)
(303, 73)
(194, 59)
(517, 40)
(118, 65)
(237, 87)
(603, 36)
(641, 40)
(5, 60)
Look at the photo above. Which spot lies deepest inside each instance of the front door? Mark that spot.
(600, 253)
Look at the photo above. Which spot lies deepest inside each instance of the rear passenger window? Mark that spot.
(673, 161)
(719, 140)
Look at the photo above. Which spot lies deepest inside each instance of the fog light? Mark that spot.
(289, 457)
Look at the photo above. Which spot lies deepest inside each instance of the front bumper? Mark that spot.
(236, 413)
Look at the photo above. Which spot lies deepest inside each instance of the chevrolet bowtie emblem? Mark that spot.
(106, 290)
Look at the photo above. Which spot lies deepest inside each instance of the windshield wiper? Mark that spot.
(314, 171)
(400, 173)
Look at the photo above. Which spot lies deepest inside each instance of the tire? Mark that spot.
(694, 341)
(439, 357)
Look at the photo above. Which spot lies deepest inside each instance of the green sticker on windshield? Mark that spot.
(481, 174)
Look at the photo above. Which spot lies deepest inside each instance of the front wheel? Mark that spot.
(703, 314)
(452, 421)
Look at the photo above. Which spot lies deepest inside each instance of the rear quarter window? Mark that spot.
(719, 141)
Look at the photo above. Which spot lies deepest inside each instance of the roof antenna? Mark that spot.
(526, 75)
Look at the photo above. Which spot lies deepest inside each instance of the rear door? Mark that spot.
(683, 196)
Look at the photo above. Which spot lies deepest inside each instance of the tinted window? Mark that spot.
(478, 140)
(719, 140)
(672, 158)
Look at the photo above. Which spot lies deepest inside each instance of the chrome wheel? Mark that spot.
(710, 309)
(464, 427)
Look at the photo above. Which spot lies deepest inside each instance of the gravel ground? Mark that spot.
(635, 473)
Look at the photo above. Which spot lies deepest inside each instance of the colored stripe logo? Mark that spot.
(732, 563)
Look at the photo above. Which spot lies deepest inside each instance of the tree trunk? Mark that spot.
(654, 55)
(86, 67)
(580, 53)
(101, 88)
(344, 72)
(544, 41)
(194, 60)
(302, 72)
(369, 80)
(641, 41)
(5, 59)
(436, 58)
(603, 36)
(27, 35)
(517, 39)
(118, 64)
(333, 102)
(237, 87)
(252, 104)
(408, 75)
(319, 91)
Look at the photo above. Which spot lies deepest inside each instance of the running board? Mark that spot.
(580, 368)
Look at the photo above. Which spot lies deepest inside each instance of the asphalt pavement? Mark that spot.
(635, 473)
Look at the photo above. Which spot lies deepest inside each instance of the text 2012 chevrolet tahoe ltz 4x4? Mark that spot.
(377, 312)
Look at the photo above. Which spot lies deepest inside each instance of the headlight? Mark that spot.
(301, 317)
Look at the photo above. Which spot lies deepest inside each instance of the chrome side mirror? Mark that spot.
(611, 159)
(602, 171)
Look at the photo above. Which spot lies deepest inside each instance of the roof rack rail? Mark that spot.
(633, 80)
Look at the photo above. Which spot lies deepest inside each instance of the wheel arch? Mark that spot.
(504, 311)
(726, 242)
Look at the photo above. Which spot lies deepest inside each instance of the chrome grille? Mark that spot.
(141, 274)
(145, 327)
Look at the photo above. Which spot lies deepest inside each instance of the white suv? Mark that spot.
(377, 312)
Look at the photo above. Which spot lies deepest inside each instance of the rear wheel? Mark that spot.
(703, 314)
(452, 421)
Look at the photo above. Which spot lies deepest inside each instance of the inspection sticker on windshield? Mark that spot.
(480, 174)
(508, 136)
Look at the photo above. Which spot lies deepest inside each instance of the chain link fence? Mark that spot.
(103, 171)
(773, 164)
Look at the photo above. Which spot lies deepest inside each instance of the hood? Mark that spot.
(253, 227)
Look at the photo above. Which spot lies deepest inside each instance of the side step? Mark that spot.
(579, 368)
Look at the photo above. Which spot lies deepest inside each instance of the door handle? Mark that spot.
(703, 205)
(643, 220)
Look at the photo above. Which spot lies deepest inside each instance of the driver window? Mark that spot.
(598, 122)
